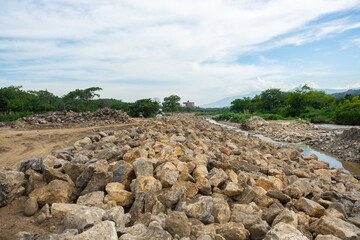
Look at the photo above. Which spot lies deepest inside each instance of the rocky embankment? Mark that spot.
(345, 145)
(104, 116)
(184, 178)
(284, 131)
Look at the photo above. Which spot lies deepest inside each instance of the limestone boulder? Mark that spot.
(11, 185)
(143, 167)
(116, 215)
(177, 223)
(283, 231)
(123, 172)
(337, 227)
(146, 184)
(286, 216)
(92, 199)
(101, 231)
(199, 207)
(82, 218)
(311, 208)
(221, 210)
(217, 176)
(115, 192)
(232, 231)
(57, 191)
(167, 174)
(135, 153)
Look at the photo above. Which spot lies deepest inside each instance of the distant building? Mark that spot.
(189, 104)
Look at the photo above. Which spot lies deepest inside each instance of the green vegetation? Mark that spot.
(171, 104)
(348, 112)
(244, 117)
(304, 103)
(271, 104)
(144, 108)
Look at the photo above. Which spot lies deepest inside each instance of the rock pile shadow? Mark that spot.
(183, 178)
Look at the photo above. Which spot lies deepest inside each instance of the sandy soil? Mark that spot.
(16, 145)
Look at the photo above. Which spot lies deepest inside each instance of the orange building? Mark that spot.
(189, 104)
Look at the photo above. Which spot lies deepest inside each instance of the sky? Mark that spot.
(201, 50)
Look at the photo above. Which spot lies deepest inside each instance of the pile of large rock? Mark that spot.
(345, 145)
(284, 131)
(102, 116)
(184, 178)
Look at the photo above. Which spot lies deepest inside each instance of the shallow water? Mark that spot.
(336, 126)
(350, 167)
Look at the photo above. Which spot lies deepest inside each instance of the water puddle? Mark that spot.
(350, 167)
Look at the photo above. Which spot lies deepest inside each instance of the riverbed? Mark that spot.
(350, 167)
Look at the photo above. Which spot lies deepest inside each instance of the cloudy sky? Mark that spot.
(200, 50)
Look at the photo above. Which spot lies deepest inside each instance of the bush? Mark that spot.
(14, 116)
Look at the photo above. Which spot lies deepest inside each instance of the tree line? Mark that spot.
(316, 106)
(16, 102)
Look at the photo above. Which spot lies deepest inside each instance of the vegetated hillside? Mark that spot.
(348, 92)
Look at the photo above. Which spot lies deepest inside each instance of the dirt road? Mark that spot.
(18, 145)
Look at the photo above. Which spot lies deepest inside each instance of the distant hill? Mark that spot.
(226, 102)
(350, 91)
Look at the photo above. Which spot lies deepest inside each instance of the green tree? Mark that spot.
(44, 100)
(296, 101)
(272, 99)
(348, 112)
(240, 105)
(144, 107)
(171, 103)
(79, 100)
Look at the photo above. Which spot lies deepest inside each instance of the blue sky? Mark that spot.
(200, 50)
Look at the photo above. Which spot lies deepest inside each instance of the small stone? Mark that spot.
(30, 207)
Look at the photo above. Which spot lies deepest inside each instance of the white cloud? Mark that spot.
(190, 46)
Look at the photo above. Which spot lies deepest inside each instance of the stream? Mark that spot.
(350, 167)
